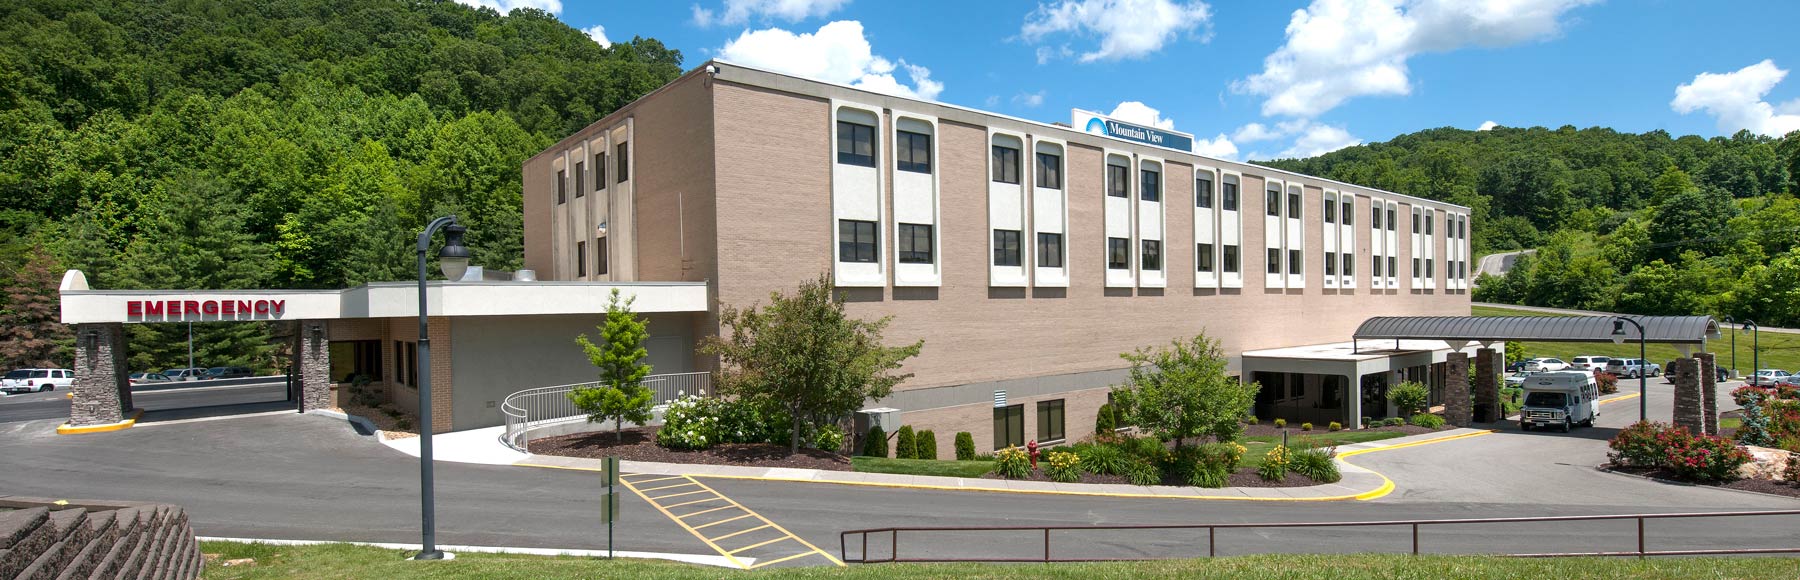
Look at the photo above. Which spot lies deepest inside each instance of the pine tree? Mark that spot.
(620, 356)
(30, 334)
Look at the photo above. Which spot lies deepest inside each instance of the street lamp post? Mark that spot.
(1755, 346)
(453, 259)
(1729, 321)
(1643, 363)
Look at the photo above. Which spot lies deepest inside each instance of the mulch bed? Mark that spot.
(1243, 477)
(639, 444)
(1293, 430)
(1781, 488)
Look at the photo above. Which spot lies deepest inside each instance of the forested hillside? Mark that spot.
(1640, 223)
(272, 144)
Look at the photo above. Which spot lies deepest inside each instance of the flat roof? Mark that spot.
(81, 304)
(1350, 351)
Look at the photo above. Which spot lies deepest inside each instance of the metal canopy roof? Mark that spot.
(1661, 329)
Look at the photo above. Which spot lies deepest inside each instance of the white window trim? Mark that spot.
(840, 277)
(1213, 219)
(1160, 277)
(1057, 277)
(1126, 278)
(1237, 228)
(1004, 276)
(903, 275)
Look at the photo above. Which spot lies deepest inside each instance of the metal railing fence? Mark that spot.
(531, 408)
(1212, 530)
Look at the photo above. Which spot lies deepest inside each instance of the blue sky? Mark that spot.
(1255, 80)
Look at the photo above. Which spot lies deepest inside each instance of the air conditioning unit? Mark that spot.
(888, 419)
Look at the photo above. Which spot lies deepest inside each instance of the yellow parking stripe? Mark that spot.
(644, 481)
(706, 511)
(683, 503)
(800, 555)
(760, 544)
(663, 497)
(797, 537)
(742, 532)
(690, 529)
(731, 519)
(670, 486)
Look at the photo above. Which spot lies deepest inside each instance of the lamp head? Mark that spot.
(454, 258)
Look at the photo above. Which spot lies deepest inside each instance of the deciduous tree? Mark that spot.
(620, 356)
(1181, 391)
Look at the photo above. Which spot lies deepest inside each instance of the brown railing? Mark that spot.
(1212, 531)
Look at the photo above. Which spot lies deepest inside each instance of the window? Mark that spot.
(1006, 164)
(855, 144)
(1274, 260)
(562, 177)
(1430, 267)
(1393, 268)
(856, 241)
(1229, 257)
(622, 155)
(1050, 421)
(1428, 221)
(1204, 257)
(1390, 219)
(1415, 225)
(1375, 215)
(1349, 263)
(1415, 270)
(1049, 171)
(580, 169)
(1293, 206)
(1272, 202)
(1375, 266)
(1150, 187)
(581, 258)
(1006, 248)
(1116, 185)
(349, 359)
(1330, 266)
(600, 170)
(1229, 197)
(914, 150)
(915, 244)
(1294, 261)
(1349, 208)
(1152, 255)
(1118, 254)
(1050, 253)
(1330, 211)
(1009, 426)
(601, 254)
(1203, 192)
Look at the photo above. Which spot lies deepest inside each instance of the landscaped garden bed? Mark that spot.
(639, 444)
(1760, 452)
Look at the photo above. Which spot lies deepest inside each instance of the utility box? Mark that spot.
(887, 418)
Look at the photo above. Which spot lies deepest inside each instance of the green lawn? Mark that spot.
(922, 466)
(346, 561)
(1256, 447)
(1779, 350)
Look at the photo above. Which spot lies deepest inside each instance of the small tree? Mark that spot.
(30, 333)
(875, 445)
(1181, 391)
(927, 443)
(1410, 396)
(803, 354)
(1515, 352)
(621, 396)
(906, 446)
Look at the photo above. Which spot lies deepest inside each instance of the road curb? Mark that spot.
(67, 429)
(357, 420)
(700, 559)
(1603, 469)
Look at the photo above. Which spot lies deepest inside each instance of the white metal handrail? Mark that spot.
(539, 406)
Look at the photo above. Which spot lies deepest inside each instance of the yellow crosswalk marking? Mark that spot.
(731, 519)
(761, 544)
(742, 532)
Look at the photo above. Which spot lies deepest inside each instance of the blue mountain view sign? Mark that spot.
(1101, 125)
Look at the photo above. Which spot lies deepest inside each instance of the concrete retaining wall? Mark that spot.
(95, 539)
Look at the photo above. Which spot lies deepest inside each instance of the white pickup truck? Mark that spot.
(36, 380)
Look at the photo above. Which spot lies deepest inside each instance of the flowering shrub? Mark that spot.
(1742, 395)
(829, 438)
(1012, 463)
(1608, 382)
(1643, 444)
(688, 424)
(1706, 458)
(1062, 466)
(1787, 391)
(1275, 464)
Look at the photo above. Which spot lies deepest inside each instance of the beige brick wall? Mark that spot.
(1080, 408)
(443, 383)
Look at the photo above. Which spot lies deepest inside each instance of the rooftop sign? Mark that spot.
(1098, 124)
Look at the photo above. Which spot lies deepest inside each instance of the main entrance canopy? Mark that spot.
(1677, 330)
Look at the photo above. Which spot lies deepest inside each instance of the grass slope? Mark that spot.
(946, 468)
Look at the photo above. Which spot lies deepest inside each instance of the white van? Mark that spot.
(1560, 399)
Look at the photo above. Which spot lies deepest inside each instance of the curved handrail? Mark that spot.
(540, 405)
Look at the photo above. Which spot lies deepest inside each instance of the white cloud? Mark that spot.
(1735, 99)
(506, 6)
(1219, 147)
(1127, 28)
(838, 52)
(1029, 99)
(1319, 139)
(742, 11)
(1486, 125)
(992, 101)
(1141, 114)
(1340, 49)
(598, 33)
(1254, 132)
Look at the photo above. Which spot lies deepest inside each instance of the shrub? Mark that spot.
(1316, 464)
(1209, 477)
(1106, 421)
(1642, 444)
(1706, 458)
(927, 443)
(1792, 472)
(965, 446)
(688, 423)
(1223, 456)
(1754, 428)
(1141, 472)
(1608, 382)
(1410, 396)
(1251, 420)
(906, 446)
(1281, 423)
(1335, 426)
(876, 444)
(1275, 464)
(1368, 422)
(1012, 463)
(1742, 395)
(1306, 426)
(1787, 391)
(829, 437)
(1103, 459)
(1147, 448)
(1062, 467)
(1428, 421)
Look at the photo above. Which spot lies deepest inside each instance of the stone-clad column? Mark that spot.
(101, 393)
(313, 351)
(1685, 374)
(1487, 386)
(1709, 392)
(1456, 389)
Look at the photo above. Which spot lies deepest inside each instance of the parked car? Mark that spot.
(1766, 377)
(1543, 365)
(1517, 367)
(226, 373)
(36, 380)
(1633, 367)
(1721, 374)
(184, 374)
(1590, 363)
(148, 378)
(1517, 379)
